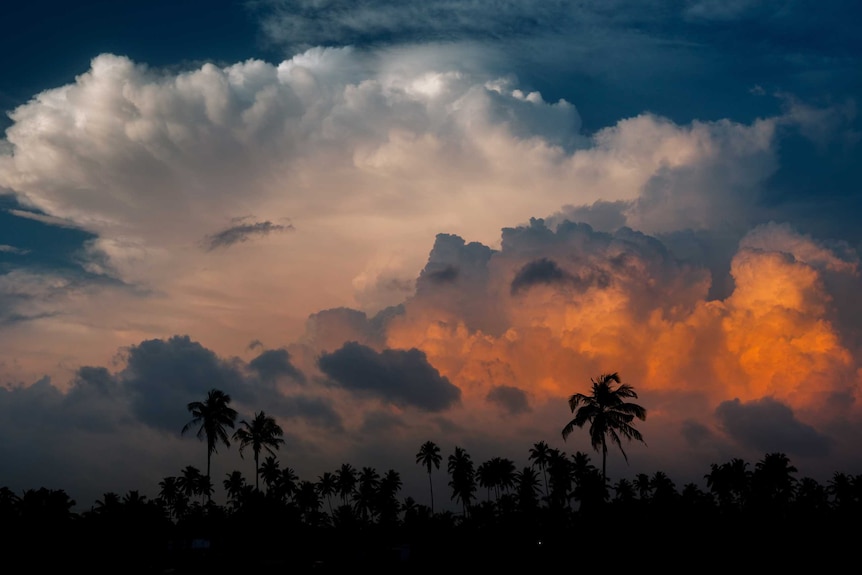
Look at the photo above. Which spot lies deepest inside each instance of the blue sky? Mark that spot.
(372, 219)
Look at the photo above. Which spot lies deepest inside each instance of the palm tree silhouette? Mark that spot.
(540, 454)
(262, 433)
(345, 479)
(463, 477)
(428, 456)
(214, 414)
(608, 414)
(270, 471)
(327, 487)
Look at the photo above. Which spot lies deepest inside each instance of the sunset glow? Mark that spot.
(382, 241)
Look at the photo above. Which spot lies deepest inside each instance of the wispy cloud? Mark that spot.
(242, 233)
(12, 250)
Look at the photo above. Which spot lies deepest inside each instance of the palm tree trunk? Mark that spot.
(431, 485)
(256, 473)
(604, 461)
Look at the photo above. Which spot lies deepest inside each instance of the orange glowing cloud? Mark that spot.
(552, 308)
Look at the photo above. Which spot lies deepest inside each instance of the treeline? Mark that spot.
(553, 508)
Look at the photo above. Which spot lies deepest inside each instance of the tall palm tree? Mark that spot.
(428, 456)
(608, 414)
(262, 433)
(213, 415)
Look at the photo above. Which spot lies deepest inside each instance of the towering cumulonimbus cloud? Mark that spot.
(553, 307)
(435, 251)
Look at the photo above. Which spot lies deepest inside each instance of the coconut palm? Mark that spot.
(234, 485)
(327, 487)
(463, 478)
(345, 479)
(270, 471)
(262, 433)
(527, 488)
(429, 456)
(540, 454)
(608, 414)
(213, 415)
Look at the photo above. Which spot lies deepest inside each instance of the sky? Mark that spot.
(385, 224)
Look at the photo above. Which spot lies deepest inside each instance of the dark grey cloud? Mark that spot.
(274, 364)
(602, 216)
(767, 425)
(695, 433)
(316, 411)
(305, 23)
(400, 377)
(454, 262)
(543, 271)
(163, 376)
(511, 399)
(441, 273)
(328, 329)
(377, 422)
(243, 232)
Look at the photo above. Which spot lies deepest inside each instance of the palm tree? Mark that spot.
(608, 414)
(345, 479)
(368, 483)
(270, 471)
(189, 481)
(463, 477)
(540, 454)
(214, 414)
(428, 456)
(262, 433)
(527, 487)
(234, 484)
(327, 487)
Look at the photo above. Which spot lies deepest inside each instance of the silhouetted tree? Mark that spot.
(262, 433)
(327, 487)
(560, 478)
(773, 483)
(171, 496)
(213, 416)
(345, 479)
(234, 486)
(527, 488)
(270, 472)
(387, 504)
(540, 454)
(462, 478)
(190, 481)
(608, 414)
(429, 456)
(368, 482)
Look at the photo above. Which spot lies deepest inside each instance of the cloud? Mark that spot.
(458, 240)
(242, 233)
(13, 250)
(400, 377)
(273, 364)
(541, 271)
(304, 23)
(510, 399)
(163, 376)
(770, 426)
